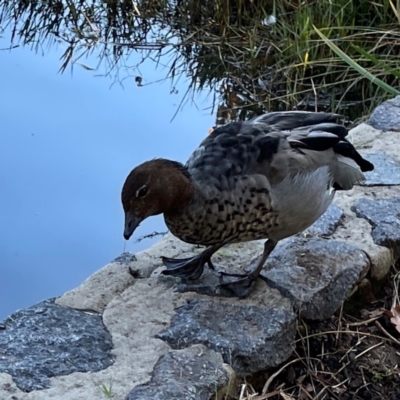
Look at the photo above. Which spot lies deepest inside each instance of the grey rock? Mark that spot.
(47, 340)
(249, 338)
(327, 224)
(125, 258)
(384, 216)
(385, 173)
(195, 373)
(315, 274)
(386, 116)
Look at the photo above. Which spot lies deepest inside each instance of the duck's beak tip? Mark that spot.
(132, 221)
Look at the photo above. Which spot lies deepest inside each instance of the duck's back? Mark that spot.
(277, 144)
(270, 177)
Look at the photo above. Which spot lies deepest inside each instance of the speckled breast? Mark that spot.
(226, 218)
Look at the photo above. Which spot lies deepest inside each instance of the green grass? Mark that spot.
(107, 390)
(333, 55)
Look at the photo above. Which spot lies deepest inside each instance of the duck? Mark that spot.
(266, 178)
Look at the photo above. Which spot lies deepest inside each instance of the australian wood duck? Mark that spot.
(267, 178)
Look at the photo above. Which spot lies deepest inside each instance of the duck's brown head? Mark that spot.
(152, 188)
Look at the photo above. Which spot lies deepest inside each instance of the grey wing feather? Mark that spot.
(348, 173)
(289, 120)
(225, 153)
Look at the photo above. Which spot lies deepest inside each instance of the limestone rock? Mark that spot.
(100, 288)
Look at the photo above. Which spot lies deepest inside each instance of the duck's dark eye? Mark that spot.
(142, 191)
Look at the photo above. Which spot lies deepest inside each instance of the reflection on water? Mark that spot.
(67, 144)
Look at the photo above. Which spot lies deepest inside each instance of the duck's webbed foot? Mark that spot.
(186, 268)
(243, 286)
(189, 268)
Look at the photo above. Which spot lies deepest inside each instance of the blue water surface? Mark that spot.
(67, 142)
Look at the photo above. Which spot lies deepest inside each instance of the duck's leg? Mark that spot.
(190, 268)
(243, 287)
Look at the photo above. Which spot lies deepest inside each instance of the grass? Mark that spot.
(319, 55)
(362, 71)
(107, 390)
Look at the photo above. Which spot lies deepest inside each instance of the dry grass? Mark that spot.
(346, 357)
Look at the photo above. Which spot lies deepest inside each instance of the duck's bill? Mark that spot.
(132, 221)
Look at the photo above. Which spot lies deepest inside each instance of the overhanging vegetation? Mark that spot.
(233, 48)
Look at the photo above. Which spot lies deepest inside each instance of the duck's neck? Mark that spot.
(179, 188)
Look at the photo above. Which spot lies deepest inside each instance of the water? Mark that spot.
(66, 146)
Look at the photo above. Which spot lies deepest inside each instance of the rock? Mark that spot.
(249, 338)
(133, 317)
(195, 373)
(384, 216)
(386, 116)
(316, 274)
(8, 389)
(48, 340)
(125, 258)
(356, 231)
(364, 137)
(386, 172)
(145, 312)
(326, 225)
(148, 261)
(97, 291)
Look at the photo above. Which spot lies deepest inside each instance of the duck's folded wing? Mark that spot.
(278, 144)
(228, 151)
